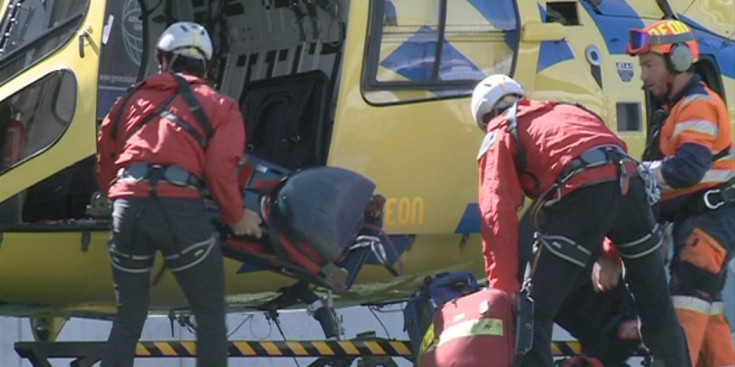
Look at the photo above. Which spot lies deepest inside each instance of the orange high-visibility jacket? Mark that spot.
(696, 131)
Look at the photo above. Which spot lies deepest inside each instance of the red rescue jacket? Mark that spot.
(551, 135)
(161, 141)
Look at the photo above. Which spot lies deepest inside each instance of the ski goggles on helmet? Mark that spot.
(641, 42)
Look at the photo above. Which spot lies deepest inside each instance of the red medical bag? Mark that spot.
(472, 331)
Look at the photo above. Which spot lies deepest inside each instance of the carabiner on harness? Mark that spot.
(653, 192)
(707, 201)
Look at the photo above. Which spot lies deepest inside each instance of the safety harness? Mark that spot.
(173, 174)
(592, 158)
(153, 172)
(599, 156)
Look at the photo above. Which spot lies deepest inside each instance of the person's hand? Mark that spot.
(248, 225)
(605, 275)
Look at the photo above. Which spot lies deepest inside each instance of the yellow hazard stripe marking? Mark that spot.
(375, 348)
(244, 348)
(349, 348)
(323, 348)
(297, 348)
(190, 347)
(562, 348)
(271, 348)
(165, 348)
(352, 348)
(141, 350)
(402, 348)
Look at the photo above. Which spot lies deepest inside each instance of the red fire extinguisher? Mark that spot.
(15, 135)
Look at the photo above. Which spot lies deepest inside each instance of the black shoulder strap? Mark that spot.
(155, 113)
(721, 154)
(123, 105)
(194, 107)
(160, 111)
(652, 150)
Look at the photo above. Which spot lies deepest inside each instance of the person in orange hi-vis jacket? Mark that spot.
(692, 157)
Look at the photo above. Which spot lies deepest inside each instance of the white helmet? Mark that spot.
(186, 39)
(489, 92)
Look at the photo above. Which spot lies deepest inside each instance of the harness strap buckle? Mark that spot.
(708, 203)
(154, 173)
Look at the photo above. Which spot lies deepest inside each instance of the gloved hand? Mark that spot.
(248, 225)
(646, 171)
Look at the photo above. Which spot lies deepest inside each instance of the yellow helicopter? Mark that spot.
(378, 87)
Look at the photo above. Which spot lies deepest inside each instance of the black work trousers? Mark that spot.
(183, 232)
(593, 318)
(586, 216)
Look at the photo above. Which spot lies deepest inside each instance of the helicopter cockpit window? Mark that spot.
(123, 49)
(426, 50)
(32, 29)
(34, 118)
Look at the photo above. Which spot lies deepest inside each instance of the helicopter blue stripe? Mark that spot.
(722, 49)
(552, 52)
(501, 15)
(616, 19)
(470, 221)
(414, 59)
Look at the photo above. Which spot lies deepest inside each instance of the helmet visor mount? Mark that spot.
(502, 105)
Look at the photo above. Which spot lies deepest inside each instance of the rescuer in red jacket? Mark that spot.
(167, 139)
(580, 177)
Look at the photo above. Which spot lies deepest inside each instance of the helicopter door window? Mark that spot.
(36, 117)
(123, 50)
(427, 51)
(32, 29)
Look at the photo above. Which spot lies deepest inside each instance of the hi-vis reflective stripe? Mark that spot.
(486, 326)
(698, 305)
(312, 348)
(705, 127)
